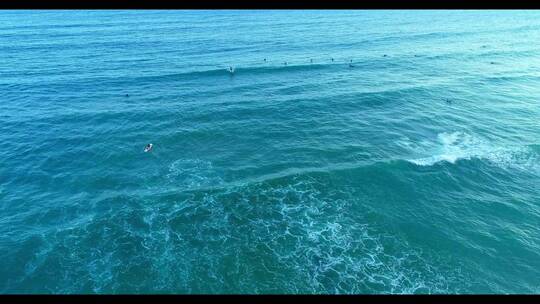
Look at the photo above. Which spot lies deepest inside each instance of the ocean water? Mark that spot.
(414, 172)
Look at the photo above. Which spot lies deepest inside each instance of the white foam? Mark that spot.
(333, 253)
(452, 147)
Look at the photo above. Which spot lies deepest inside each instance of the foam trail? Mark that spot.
(463, 146)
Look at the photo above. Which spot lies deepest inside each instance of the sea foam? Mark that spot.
(455, 146)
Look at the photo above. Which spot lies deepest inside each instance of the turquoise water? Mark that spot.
(310, 177)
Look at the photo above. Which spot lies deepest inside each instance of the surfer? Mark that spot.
(285, 63)
(148, 148)
(350, 64)
(231, 70)
(332, 59)
(127, 95)
(384, 55)
(264, 59)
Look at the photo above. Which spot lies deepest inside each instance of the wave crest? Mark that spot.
(451, 147)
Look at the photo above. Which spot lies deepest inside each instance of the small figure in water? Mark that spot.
(350, 64)
(492, 62)
(384, 55)
(448, 101)
(264, 59)
(231, 70)
(285, 63)
(148, 148)
(311, 60)
(127, 95)
(332, 59)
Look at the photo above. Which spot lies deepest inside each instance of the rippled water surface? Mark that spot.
(413, 169)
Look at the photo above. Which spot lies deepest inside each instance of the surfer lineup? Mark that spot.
(350, 62)
(231, 70)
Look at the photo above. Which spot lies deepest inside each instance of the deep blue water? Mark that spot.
(414, 172)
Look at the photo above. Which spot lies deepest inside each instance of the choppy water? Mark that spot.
(299, 178)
